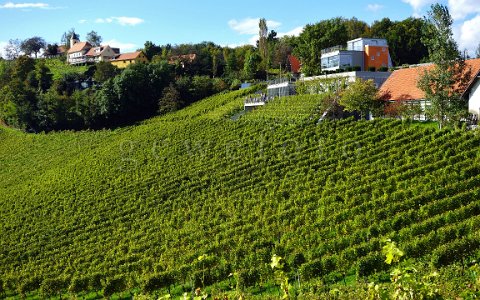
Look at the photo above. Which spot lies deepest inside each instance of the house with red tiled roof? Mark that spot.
(183, 60)
(84, 52)
(125, 59)
(77, 51)
(102, 53)
(402, 86)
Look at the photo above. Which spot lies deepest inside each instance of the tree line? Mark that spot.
(103, 96)
(33, 100)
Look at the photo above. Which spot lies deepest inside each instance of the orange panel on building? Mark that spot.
(376, 56)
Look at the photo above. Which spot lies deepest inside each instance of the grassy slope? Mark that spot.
(156, 196)
(58, 68)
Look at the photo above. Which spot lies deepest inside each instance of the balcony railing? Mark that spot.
(333, 49)
(85, 59)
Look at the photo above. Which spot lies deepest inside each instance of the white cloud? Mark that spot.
(124, 21)
(83, 21)
(102, 20)
(132, 21)
(124, 47)
(294, 32)
(460, 9)
(253, 40)
(25, 5)
(2, 48)
(417, 5)
(468, 35)
(374, 7)
(250, 25)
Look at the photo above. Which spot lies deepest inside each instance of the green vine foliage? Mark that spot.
(135, 207)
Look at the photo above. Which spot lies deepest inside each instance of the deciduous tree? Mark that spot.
(445, 81)
(33, 45)
(94, 38)
(51, 50)
(360, 96)
(67, 35)
(252, 61)
(13, 49)
(104, 71)
(316, 37)
(150, 50)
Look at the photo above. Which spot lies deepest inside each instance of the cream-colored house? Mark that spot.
(77, 52)
(83, 53)
(125, 59)
(102, 53)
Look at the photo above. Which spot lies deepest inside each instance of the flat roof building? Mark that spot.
(360, 54)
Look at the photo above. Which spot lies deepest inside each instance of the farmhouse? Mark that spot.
(84, 53)
(402, 86)
(125, 59)
(183, 60)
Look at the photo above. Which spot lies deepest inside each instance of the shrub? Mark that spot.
(246, 278)
(157, 281)
(113, 286)
(370, 264)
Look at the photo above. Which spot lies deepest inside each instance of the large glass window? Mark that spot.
(331, 62)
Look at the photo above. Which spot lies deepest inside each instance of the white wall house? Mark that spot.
(77, 51)
(473, 96)
(84, 53)
(102, 53)
(402, 86)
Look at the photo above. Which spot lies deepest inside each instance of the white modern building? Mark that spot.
(361, 54)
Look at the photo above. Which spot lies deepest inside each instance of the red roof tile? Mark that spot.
(90, 52)
(79, 47)
(128, 56)
(402, 84)
(184, 58)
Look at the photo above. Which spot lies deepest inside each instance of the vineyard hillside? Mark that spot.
(185, 200)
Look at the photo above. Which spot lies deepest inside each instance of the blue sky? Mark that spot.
(128, 24)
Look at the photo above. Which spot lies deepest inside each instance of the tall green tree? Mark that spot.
(33, 45)
(94, 38)
(13, 49)
(43, 76)
(357, 28)
(231, 62)
(380, 28)
(251, 65)
(170, 100)
(405, 41)
(104, 71)
(67, 35)
(316, 37)
(445, 81)
(150, 49)
(51, 50)
(263, 41)
(361, 96)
